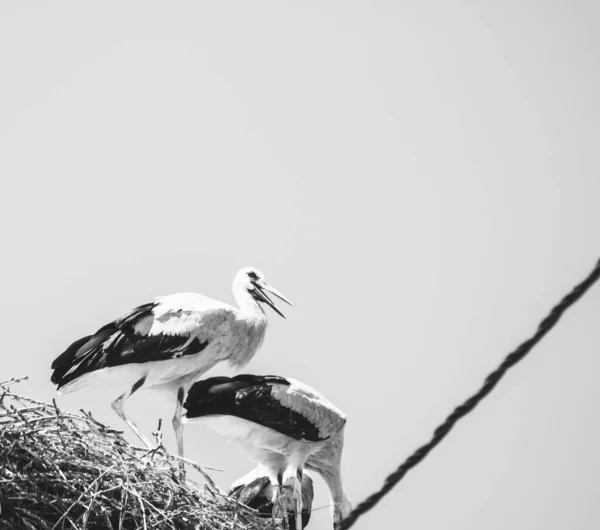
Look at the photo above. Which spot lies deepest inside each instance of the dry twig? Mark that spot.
(60, 470)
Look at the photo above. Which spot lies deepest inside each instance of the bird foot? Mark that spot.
(152, 452)
(158, 436)
(280, 508)
(279, 514)
(180, 474)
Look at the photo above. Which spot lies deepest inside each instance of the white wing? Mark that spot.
(305, 400)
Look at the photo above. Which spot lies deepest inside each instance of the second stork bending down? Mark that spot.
(282, 424)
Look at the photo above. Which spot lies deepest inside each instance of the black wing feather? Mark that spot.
(119, 343)
(249, 397)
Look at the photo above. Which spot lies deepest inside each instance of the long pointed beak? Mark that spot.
(261, 287)
(271, 289)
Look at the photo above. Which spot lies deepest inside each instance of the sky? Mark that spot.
(421, 179)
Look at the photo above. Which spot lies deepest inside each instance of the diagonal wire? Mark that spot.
(462, 410)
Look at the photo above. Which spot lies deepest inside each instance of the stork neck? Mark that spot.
(340, 503)
(249, 307)
(328, 463)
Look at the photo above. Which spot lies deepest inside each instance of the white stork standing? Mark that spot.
(256, 491)
(280, 423)
(169, 343)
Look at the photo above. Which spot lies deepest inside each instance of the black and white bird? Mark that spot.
(256, 491)
(169, 343)
(282, 424)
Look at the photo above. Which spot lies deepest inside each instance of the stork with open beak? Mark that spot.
(170, 343)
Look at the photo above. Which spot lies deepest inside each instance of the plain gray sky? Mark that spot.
(421, 179)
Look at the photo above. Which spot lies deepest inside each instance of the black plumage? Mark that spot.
(123, 341)
(249, 397)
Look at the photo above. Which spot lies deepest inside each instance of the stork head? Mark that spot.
(250, 280)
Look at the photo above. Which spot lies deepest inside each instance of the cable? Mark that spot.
(462, 410)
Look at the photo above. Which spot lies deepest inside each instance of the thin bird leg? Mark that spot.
(178, 425)
(117, 406)
(279, 513)
(297, 496)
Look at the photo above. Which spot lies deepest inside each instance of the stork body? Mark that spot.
(256, 491)
(282, 424)
(169, 343)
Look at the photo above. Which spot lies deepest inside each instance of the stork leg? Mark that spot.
(117, 406)
(178, 425)
(297, 496)
(279, 507)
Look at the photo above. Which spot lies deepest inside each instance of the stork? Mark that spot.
(169, 343)
(282, 424)
(256, 491)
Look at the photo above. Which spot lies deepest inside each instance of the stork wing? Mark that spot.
(168, 328)
(315, 407)
(252, 398)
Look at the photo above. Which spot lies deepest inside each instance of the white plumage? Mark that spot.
(170, 343)
(280, 423)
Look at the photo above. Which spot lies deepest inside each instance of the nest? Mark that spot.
(63, 470)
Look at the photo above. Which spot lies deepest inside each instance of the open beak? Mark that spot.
(261, 287)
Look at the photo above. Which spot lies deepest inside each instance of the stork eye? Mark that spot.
(252, 275)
